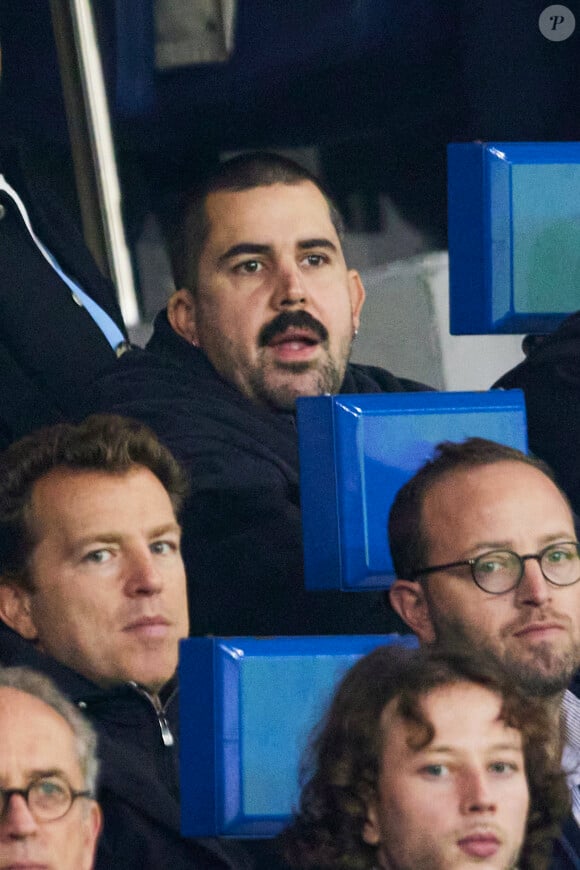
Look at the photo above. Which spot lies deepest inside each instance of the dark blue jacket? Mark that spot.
(138, 781)
(242, 541)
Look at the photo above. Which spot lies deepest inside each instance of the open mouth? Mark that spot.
(294, 343)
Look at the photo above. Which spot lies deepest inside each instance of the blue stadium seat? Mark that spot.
(247, 706)
(357, 451)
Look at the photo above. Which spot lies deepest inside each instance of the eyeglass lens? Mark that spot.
(47, 798)
(501, 570)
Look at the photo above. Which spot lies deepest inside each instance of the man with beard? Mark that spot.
(485, 550)
(267, 312)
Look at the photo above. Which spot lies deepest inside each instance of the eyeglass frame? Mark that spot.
(521, 559)
(7, 793)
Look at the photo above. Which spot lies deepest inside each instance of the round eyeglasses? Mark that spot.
(501, 570)
(48, 798)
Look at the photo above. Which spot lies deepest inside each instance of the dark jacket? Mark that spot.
(566, 854)
(550, 379)
(242, 540)
(138, 780)
(50, 348)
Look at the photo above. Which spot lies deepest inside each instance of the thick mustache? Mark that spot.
(287, 319)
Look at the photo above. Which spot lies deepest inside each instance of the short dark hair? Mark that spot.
(342, 767)
(243, 172)
(407, 539)
(103, 442)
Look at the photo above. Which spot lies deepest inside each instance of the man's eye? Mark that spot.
(315, 259)
(162, 548)
(97, 556)
(489, 566)
(492, 562)
(50, 788)
(248, 267)
(561, 553)
(436, 771)
(503, 768)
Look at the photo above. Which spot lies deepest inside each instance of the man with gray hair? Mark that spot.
(48, 774)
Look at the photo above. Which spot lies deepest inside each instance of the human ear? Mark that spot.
(357, 296)
(408, 599)
(181, 315)
(93, 825)
(370, 832)
(15, 610)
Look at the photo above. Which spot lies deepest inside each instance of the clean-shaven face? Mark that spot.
(459, 802)
(35, 741)
(109, 595)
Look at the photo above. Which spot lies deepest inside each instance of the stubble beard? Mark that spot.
(276, 385)
(541, 672)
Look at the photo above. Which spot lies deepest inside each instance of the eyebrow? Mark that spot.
(33, 775)
(256, 248)
(163, 530)
(244, 248)
(116, 537)
(317, 243)
(451, 750)
(545, 541)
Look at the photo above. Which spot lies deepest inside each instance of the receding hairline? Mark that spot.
(466, 470)
(463, 471)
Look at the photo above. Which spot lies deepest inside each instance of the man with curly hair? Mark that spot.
(431, 761)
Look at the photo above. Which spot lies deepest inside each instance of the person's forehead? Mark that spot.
(57, 488)
(34, 734)
(481, 722)
(16, 703)
(484, 491)
(263, 212)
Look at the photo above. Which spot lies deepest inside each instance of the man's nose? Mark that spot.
(476, 793)
(142, 574)
(289, 287)
(533, 588)
(17, 822)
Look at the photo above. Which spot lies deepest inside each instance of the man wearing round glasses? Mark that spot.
(48, 769)
(484, 547)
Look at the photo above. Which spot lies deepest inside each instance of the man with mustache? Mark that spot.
(93, 595)
(485, 550)
(266, 311)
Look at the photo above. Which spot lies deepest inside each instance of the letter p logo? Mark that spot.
(557, 23)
